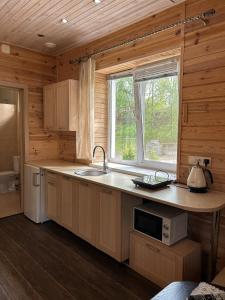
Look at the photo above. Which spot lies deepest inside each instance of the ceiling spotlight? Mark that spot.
(50, 45)
(97, 1)
(64, 21)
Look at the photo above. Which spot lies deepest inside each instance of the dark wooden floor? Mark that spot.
(48, 262)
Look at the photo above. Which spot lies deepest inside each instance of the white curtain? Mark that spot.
(85, 132)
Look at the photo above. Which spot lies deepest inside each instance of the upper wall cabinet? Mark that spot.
(60, 106)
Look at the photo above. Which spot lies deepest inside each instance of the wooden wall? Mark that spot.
(203, 122)
(33, 70)
(203, 104)
(67, 146)
(165, 42)
(202, 91)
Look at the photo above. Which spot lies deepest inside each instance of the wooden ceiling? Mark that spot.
(22, 20)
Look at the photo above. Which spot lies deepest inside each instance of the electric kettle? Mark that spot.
(197, 179)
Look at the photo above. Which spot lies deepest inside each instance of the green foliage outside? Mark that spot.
(160, 118)
(125, 119)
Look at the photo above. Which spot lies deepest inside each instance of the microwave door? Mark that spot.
(148, 224)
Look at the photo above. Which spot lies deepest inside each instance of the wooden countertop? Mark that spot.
(172, 195)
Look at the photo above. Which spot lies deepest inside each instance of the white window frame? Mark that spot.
(140, 162)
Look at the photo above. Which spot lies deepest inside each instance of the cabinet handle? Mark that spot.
(152, 248)
(66, 177)
(107, 192)
(84, 183)
(36, 179)
(52, 173)
(51, 183)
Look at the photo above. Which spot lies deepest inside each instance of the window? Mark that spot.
(144, 106)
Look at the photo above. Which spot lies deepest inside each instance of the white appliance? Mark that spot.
(34, 194)
(161, 222)
(196, 181)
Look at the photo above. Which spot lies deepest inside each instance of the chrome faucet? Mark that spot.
(104, 156)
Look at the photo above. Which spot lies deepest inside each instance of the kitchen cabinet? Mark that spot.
(103, 218)
(66, 202)
(49, 107)
(86, 211)
(109, 222)
(114, 221)
(60, 106)
(52, 196)
(164, 264)
(99, 215)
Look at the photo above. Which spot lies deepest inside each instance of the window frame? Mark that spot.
(140, 161)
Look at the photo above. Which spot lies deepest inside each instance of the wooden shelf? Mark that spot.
(164, 264)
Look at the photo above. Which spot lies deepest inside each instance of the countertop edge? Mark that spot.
(56, 169)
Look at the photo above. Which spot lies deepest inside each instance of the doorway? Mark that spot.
(11, 150)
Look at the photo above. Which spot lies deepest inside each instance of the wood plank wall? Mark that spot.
(203, 126)
(67, 146)
(33, 70)
(166, 42)
(203, 121)
(203, 92)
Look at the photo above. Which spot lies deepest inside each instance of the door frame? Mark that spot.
(24, 133)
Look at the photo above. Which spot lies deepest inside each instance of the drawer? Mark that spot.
(153, 261)
(51, 177)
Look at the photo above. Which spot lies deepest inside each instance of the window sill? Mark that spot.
(131, 170)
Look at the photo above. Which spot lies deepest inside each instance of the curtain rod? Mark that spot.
(202, 17)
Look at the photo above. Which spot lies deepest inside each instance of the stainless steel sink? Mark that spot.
(90, 172)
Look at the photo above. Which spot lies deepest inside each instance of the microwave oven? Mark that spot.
(161, 222)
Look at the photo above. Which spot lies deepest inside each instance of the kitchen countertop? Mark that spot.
(172, 195)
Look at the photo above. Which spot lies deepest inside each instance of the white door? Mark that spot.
(32, 193)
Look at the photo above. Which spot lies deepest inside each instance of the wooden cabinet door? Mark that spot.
(62, 107)
(109, 224)
(50, 107)
(52, 197)
(153, 261)
(66, 203)
(86, 212)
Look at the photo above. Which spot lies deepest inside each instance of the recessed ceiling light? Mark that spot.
(64, 21)
(97, 1)
(50, 45)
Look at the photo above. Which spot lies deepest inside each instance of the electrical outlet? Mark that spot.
(192, 160)
(5, 49)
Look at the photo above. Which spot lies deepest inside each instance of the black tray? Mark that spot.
(151, 182)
